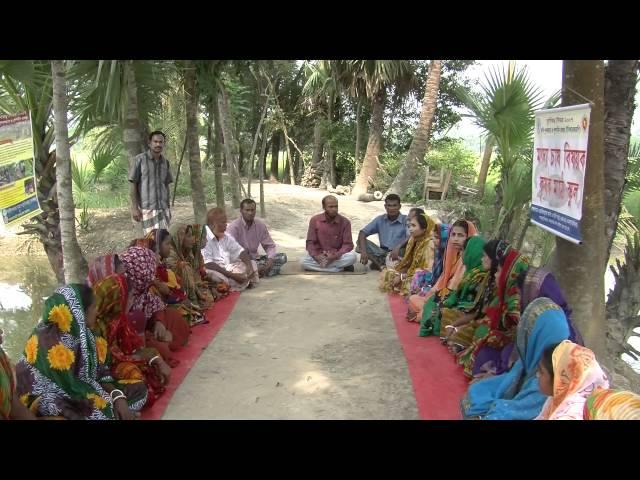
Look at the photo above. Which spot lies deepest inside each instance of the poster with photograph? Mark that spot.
(18, 198)
(559, 165)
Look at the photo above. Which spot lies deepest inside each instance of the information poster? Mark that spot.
(559, 166)
(18, 198)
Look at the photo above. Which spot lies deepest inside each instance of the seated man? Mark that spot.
(224, 259)
(250, 234)
(392, 233)
(329, 241)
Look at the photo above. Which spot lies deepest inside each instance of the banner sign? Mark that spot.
(559, 165)
(18, 198)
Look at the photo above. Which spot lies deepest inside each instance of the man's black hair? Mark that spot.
(157, 132)
(246, 201)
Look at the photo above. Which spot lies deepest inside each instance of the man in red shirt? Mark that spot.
(329, 240)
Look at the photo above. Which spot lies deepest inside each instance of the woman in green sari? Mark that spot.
(64, 370)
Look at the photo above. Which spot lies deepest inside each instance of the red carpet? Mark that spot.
(438, 381)
(201, 336)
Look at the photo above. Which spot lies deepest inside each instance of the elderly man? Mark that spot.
(329, 241)
(392, 233)
(250, 234)
(224, 259)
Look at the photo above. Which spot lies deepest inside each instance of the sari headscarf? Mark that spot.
(140, 269)
(606, 404)
(466, 295)
(128, 357)
(64, 363)
(7, 385)
(198, 246)
(451, 264)
(415, 255)
(576, 375)
(540, 282)
(438, 261)
(182, 263)
(100, 268)
(515, 395)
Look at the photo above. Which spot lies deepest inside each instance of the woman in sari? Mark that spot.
(466, 299)
(424, 279)
(104, 266)
(10, 406)
(452, 273)
(496, 329)
(418, 255)
(167, 285)
(515, 395)
(128, 357)
(539, 282)
(65, 371)
(568, 373)
(604, 404)
(166, 329)
(181, 261)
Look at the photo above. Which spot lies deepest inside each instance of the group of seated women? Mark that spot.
(504, 321)
(105, 349)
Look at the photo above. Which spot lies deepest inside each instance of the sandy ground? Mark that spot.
(303, 347)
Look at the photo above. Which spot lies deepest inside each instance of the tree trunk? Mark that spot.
(420, 141)
(261, 168)
(580, 268)
(230, 148)
(255, 144)
(195, 165)
(358, 134)
(313, 178)
(484, 167)
(374, 145)
(275, 154)
(286, 175)
(75, 266)
(621, 77)
(265, 174)
(217, 152)
(131, 131)
(329, 171)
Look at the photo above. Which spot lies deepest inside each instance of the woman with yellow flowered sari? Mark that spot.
(64, 370)
(418, 256)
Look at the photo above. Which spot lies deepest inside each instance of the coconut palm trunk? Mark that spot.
(75, 266)
(374, 145)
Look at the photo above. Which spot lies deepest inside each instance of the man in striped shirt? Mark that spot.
(150, 176)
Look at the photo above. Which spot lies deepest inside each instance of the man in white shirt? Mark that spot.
(224, 259)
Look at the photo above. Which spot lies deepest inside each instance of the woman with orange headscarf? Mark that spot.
(568, 374)
(452, 272)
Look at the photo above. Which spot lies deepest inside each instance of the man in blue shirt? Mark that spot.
(392, 232)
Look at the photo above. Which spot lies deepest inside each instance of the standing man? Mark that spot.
(250, 234)
(224, 259)
(329, 241)
(150, 176)
(392, 233)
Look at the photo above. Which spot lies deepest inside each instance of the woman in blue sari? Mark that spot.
(515, 395)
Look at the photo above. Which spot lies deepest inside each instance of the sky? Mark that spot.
(546, 74)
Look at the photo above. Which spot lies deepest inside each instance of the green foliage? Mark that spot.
(633, 168)
(454, 155)
(83, 180)
(84, 219)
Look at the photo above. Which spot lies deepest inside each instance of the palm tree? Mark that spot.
(372, 78)
(420, 141)
(193, 141)
(505, 111)
(621, 77)
(75, 266)
(26, 86)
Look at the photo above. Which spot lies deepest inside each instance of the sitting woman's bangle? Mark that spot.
(113, 392)
(113, 400)
(154, 358)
